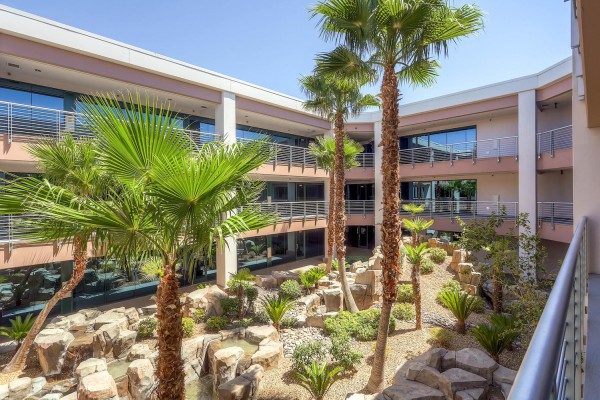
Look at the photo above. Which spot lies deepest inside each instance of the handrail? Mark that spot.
(553, 364)
(555, 212)
(465, 209)
(365, 160)
(554, 139)
(358, 207)
(288, 210)
(507, 146)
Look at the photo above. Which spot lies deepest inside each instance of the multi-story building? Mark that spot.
(505, 146)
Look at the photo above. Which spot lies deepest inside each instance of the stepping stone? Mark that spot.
(456, 379)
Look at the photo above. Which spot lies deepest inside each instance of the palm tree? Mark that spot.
(336, 99)
(73, 166)
(324, 152)
(399, 39)
(416, 225)
(415, 255)
(167, 200)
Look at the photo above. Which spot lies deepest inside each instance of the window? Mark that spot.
(460, 137)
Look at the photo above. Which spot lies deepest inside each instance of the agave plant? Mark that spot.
(496, 336)
(276, 307)
(461, 304)
(18, 329)
(317, 378)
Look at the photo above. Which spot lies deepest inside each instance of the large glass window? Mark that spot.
(465, 189)
(252, 133)
(458, 137)
(252, 252)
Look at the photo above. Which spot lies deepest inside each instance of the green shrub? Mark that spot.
(437, 255)
(19, 328)
(352, 259)
(362, 325)
(146, 328)
(245, 322)
(460, 304)
(290, 289)
(427, 266)
(451, 285)
(198, 315)
(307, 353)
(404, 311)
(276, 308)
(317, 378)
(343, 323)
(261, 318)
(288, 322)
(201, 286)
(216, 323)
(188, 325)
(496, 336)
(440, 337)
(342, 352)
(310, 278)
(230, 305)
(251, 295)
(478, 305)
(405, 293)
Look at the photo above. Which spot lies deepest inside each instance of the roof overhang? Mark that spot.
(588, 14)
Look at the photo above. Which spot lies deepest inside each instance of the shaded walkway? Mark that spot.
(592, 364)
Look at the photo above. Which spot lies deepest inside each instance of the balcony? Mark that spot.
(360, 212)
(481, 156)
(365, 171)
(555, 148)
(555, 221)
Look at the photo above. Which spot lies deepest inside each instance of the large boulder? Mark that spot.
(123, 343)
(333, 299)
(409, 390)
(456, 379)
(282, 276)
(309, 302)
(269, 353)
(74, 322)
(244, 387)
(256, 334)
(20, 388)
(224, 365)
(208, 298)
(140, 377)
(97, 386)
(504, 378)
(266, 281)
(477, 362)
(105, 337)
(137, 351)
(362, 295)
(420, 372)
(51, 346)
(111, 317)
(470, 394)
(90, 366)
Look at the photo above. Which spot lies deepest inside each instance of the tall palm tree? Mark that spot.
(73, 166)
(400, 40)
(167, 200)
(414, 255)
(324, 152)
(337, 99)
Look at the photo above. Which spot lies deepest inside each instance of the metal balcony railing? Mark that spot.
(555, 139)
(465, 209)
(290, 210)
(360, 207)
(479, 149)
(553, 367)
(365, 160)
(12, 226)
(555, 213)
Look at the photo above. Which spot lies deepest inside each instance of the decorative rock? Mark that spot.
(149, 310)
(4, 391)
(449, 360)
(360, 396)
(333, 299)
(140, 377)
(123, 343)
(504, 375)
(105, 337)
(244, 387)
(256, 334)
(98, 386)
(361, 296)
(208, 298)
(409, 390)
(20, 388)
(51, 345)
(71, 396)
(269, 353)
(465, 268)
(224, 365)
(137, 351)
(318, 320)
(436, 357)
(90, 366)
(475, 278)
(282, 276)
(420, 372)
(67, 322)
(456, 379)
(111, 317)
(49, 396)
(37, 384)
(470, 394)
(309, 302)
(470, 289)
(266, 281)
(477, 362)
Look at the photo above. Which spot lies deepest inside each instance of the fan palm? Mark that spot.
(400, 39)
(70, 165)
(336, 99)
(324, 152)
(416, 226)
(415, 255)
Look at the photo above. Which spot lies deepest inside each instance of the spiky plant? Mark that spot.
(18, 329)
(238, 283)
(276, 307)
(317, 378)
(461, 304)
(496, 336)
(413, 208)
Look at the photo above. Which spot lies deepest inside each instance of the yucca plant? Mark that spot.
(317, 378)
(496, 336)
(276, 307)
(18, 329)
(461, 304)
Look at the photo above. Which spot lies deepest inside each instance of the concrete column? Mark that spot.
(225, 124)
(378, 156)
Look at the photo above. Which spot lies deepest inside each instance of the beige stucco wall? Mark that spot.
(553, 118)
(555, 186)
(505, 186)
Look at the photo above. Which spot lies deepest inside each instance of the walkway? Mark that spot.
(592, 364)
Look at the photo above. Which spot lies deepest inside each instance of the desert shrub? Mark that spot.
(188, 325)
(440, 337)
(19, 328)
(361, 325)
(460, 304)
(290, 289)
(216, 323)
(405, 293)
(404, 311)
(146, 328)
(427, 266)
(198, 315)
(245, 322)
(317, 378)
(288, 322)
(496, 336)
(437, 255)
(230, 305)
(343, 353)
(251, 295)
(276, 308)
(478, 305)
(352, 259)
(307, 353)
(451, 285)
(261, 318)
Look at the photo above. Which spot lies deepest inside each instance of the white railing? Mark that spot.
(555, 212)
(479, 149)
(554, 139)
(365, 160)
(360, 207)
(465, 209)
(12, 227)
(289, 210)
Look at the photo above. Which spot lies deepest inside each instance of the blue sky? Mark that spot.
(272, 42)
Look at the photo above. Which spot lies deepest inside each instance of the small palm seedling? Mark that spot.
(276, 307)
(317, 378)
(18, 329)
(415, 255)
(496, 336)
(461, 304)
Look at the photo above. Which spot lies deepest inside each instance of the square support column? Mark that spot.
(226, 261)
(378, 157)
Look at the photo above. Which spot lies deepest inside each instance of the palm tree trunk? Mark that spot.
(496, 292)
(340, 211)
(17, 363)
(390, 227)
(331, 223)
(169, 368)
(416, 284)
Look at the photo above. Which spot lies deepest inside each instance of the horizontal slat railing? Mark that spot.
(289, 210)
(360, 207)
(555, 212)
(553, 366)
(465, 209)
(555, 139)
(365, 160)
(480, 149)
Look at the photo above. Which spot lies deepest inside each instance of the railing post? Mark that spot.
(290, 160)
(474, 152)
(552, 214)
(498, 143)
(552, 143)
(451, 154)
(431, 155)
(539, 145)
(10, 122)
(412, 157)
